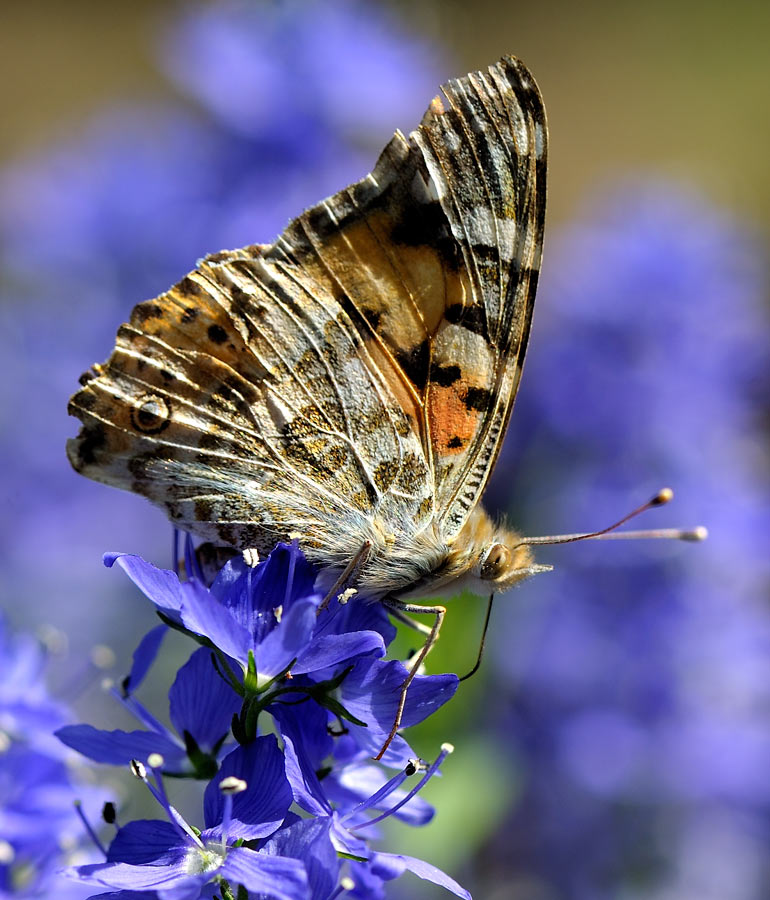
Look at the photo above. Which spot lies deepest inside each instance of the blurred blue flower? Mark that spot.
(39, 826)
(638, 675)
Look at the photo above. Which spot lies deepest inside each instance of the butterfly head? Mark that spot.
(504, 562)
(485, 558)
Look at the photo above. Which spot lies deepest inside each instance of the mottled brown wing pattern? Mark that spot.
(487, 158)
(359, 370)
(228, 400)
(435, 257)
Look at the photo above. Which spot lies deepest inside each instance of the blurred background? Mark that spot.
(616, 743)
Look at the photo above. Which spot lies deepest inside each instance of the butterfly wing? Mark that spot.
(244, 403)
(363, 366)
(435, 258)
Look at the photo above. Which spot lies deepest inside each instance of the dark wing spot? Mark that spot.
(90, 440)
(445, 375)
(424, 507)
(415, 363)
(144, 311)
(411, 475)
(477, 398)
(189, 315)
(205, 510)
(85, 400)
(334, 459)
(471, 317)
(454, 443)
(210, 440)
(385, 474)
(217, 334)
(151, 415)
(426, 226)
(188, 287)
(373, 317)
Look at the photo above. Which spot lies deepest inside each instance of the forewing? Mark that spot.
(434, 258)
(486, 153)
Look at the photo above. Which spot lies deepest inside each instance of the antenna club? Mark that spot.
(697, 534)
(665, 495)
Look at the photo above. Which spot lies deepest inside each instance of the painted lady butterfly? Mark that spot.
(350, 384)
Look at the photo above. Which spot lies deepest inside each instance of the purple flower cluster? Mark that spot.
(290, 821)
(38, 820)
(635, 680)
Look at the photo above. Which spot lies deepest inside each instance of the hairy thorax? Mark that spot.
(484, 558)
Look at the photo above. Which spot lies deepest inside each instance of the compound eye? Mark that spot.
(496, 562)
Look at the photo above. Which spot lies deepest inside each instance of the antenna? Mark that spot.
(660, 499)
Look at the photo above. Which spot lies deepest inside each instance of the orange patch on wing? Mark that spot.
(452, 424)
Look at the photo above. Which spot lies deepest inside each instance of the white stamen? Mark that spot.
(251, 556)
(232, 785)
(346, 595)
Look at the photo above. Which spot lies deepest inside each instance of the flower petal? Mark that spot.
(332, 649)
(282, 645)
(276, 877)
(144, 657)
(201, 702)
(159, 585)
(304, 782)
(263, 806)
(306, 724)
(309, 840)
(146, 842)
(118, 748)
(391, 865)
(371, 692)
(148, 878)
(202, 614)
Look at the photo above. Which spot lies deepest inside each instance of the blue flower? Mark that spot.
(201, 708)
(348, 826)
(264, 620)
(38, 820)
(248, 800)
(265, 616)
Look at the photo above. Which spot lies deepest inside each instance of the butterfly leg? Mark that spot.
(406, 620)
(349, 573)
(399, 608)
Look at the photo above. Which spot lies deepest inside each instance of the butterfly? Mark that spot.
(349, 385)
